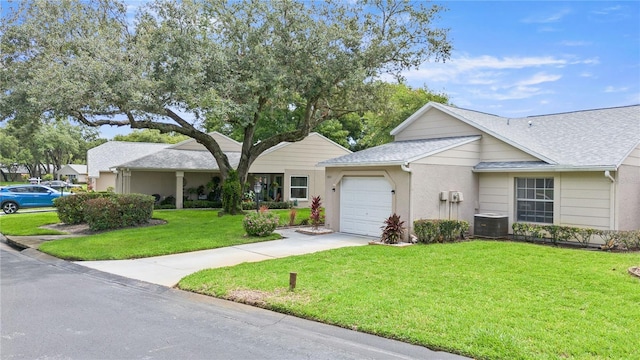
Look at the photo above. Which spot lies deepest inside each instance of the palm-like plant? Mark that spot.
(393, 230)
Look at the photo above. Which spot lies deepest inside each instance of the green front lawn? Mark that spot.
(23, 224)
(484, 299)
(185, 230)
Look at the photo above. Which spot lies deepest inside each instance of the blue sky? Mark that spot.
(518, 58)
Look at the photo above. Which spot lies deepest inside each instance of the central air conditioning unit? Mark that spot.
(492, 226)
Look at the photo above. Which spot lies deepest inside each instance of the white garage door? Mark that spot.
(365, 203)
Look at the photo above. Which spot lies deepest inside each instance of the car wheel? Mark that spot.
(9, 207)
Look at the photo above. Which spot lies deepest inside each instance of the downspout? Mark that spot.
(612, 202)
(607, 173)
(405, 168)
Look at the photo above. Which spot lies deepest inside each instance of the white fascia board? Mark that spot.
(394, 163)
(550, 169)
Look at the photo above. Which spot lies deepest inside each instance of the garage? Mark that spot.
(365, 203)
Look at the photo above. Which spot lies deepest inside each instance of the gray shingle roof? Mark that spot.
(79, 168)
(173, 159)
(112, 153)
(513, 165)
(399, 152)
(590, 138)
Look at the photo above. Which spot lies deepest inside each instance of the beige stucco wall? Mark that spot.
(436, 124)
(627, 191)
(107, 179)
(399, 180)
(428, 181)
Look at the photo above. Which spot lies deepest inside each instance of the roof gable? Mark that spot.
(590, 138)
(78, 168)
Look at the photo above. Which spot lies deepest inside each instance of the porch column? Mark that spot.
(123, 185)
(179, 195)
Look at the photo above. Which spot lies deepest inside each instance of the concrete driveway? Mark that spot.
(168, 270)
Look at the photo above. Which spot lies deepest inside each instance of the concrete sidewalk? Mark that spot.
(168, 270)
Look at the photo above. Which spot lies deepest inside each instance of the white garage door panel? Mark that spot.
(365, 202)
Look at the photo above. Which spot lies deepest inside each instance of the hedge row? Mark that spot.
(71, 209)
(612, 239)
(206, 204)
(273, 205)
(431, 231)
(103, 211)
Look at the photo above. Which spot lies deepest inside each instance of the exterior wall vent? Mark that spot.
(491, 226)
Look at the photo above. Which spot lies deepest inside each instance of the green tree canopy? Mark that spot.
(46, 147)
(398, 102)
(151, 136)
(238, 62)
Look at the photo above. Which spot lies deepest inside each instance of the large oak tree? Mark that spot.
(181, 63)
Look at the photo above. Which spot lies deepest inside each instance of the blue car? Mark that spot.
(15, 197)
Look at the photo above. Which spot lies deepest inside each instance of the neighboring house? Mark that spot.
(577, 169)
(287, 171)
(76, 173)
(102, 159)
(13, 173)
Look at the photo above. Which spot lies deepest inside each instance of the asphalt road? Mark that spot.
(53, 309)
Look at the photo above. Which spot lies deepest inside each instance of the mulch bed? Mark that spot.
(83, 229)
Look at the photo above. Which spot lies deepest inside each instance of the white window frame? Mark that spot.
(291, 187)
(538, 196)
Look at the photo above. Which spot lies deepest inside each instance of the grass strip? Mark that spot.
(25, 224)
(185, 230)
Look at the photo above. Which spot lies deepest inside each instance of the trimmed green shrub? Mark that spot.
(101, 214)
(202, 204)
(164, 206)
(71, 208)
(427, 231)
(120, 210)
(260, 223)
(430, 231)
(613, 239)
(274, 205)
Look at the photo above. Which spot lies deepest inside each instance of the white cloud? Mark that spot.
(483, 69)
(607, 10)
(492, 62)
(538, 79)
(512, 93)
(575, 43)
(547, 18)
(613, 89)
